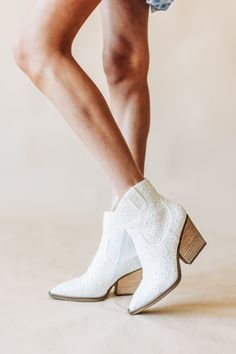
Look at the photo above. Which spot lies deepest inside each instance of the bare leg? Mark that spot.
(43, 51)
(126, 63)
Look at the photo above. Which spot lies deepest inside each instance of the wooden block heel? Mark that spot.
(129, 283)
(191, 243)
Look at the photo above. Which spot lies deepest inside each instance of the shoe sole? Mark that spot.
(191, 243)
(101, 298)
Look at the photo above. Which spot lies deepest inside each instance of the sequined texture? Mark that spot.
(155, 225)
(114, 258)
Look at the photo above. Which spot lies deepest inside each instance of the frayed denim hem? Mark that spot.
(159, 5)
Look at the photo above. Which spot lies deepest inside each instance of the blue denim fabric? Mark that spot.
(158, 5)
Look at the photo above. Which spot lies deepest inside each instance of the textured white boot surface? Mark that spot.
(155, 225)
(115, 257)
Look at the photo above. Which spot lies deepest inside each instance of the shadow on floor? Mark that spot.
(209, 307)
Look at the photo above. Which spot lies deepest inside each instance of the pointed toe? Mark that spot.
(162, 233)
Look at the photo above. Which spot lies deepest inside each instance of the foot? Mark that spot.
(155, 225)
(115, 258)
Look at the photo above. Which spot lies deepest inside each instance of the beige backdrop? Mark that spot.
(53, 193)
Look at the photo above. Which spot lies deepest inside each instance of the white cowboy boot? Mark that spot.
(162, 233)
(115, 260)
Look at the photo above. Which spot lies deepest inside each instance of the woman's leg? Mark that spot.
(126, 62)
(43, 52)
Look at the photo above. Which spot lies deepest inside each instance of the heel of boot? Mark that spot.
(191, 243)
(129, 283)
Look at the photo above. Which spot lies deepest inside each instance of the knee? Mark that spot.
(34, 56)
(123, 61)
(28, 57)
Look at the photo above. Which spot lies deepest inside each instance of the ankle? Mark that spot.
(129, 184)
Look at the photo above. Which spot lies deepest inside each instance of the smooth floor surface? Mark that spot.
(197, 317)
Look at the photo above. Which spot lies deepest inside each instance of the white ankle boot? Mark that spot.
(162, 233)
(115, 263)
